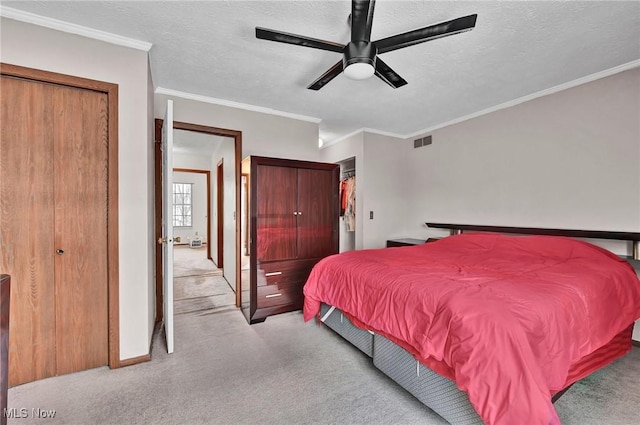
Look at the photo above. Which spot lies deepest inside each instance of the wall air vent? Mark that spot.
(423, 141)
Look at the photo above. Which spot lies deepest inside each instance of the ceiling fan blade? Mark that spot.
(298, 40)
(388, 75)
(361, 19)
(421, 35)
(322, 81)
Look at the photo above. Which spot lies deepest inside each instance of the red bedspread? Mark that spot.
(503, 316)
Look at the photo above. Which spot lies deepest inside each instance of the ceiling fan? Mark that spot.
(360, 56)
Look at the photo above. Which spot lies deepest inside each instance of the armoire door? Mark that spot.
(276, 213)
(316, 213)
(53, 237)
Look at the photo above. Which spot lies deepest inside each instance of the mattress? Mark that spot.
(504, 317)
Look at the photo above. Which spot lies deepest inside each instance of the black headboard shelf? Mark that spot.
(633, 237)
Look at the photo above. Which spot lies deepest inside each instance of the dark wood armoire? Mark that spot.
(290, 213)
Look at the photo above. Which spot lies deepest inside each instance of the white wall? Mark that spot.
(151, 230)
(42, 48)
(569, 160)
(198, 207)
(226, 153)
(379, 185)
(384, 191)
(192, 162)
(262, 134)
(351, 147)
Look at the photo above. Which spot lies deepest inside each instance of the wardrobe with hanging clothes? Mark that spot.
(347, 204)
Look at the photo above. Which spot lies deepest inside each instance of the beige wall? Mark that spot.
(351, 147)
(41, 48)
(262, 134)
(570, 159)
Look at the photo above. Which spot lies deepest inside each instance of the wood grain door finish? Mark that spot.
(276, 213)
(53, 213)
(316, 213)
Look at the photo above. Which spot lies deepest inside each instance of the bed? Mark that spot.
(483, 327)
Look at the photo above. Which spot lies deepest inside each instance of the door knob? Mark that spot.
(59, 251)
(165, 240)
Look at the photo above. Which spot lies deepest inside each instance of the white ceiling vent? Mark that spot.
(423, 141)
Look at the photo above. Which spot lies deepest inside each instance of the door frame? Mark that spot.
(220, 213)
(216, 131)
(207, 175)
(113, 280)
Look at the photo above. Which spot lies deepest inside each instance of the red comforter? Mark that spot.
(503, 316)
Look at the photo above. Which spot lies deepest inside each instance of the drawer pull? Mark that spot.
(273, 274)
(273, 295)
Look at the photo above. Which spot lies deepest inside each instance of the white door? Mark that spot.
(167, 223)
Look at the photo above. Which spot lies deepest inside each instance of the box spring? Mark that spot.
(441, 394)
(437, 392)
(337, 321)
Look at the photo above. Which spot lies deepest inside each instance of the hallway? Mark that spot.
(198, 283)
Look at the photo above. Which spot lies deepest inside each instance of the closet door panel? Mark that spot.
(276, 213)
(317, 213)
(27, 226)
(81, 149)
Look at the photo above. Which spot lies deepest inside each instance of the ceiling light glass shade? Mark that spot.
(359, 70)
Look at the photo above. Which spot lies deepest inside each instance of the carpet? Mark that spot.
(192, 262)
(279, 372)
(197, 293)
(198, 284)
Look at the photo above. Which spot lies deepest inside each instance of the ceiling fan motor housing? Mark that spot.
(359, 52)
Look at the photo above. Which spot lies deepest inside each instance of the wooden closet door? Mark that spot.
(27, 226)
(53, 154)
(80, 161)
(317, 213)
(276, 213)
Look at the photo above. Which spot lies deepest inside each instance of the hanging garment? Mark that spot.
(350, 204)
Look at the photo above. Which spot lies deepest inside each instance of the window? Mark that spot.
(182, 202)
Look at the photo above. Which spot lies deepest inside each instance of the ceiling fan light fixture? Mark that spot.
(359, 60)
(359, 70)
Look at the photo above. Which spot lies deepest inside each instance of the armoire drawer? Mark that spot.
(283, 294)
(286, 272)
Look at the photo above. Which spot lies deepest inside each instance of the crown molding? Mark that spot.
(578, 82)
(542, 93)
(362, 130)
(232, 104)
(31, 18)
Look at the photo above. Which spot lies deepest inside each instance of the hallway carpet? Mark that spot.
(198, 284)
(279, 372)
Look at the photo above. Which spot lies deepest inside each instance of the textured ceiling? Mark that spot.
(518, 48)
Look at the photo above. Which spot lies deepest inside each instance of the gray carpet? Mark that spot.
(192, 262)
(198, 284)
(282, 371)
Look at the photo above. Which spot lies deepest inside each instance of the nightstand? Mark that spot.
(408, 241)
(404, 242)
